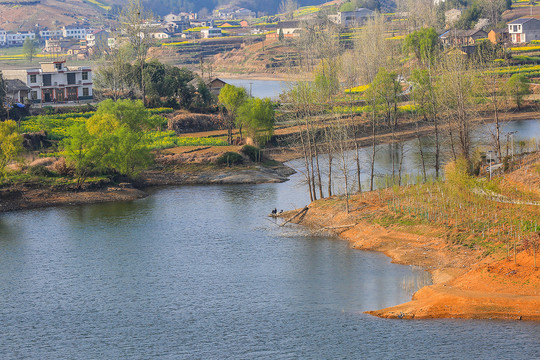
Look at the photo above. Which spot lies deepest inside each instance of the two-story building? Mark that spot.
(55, 82)
(211, 32)
(352, 18)
(47, 34)
(524, 30)
(97, 37)
(74, 32)
(13, 39)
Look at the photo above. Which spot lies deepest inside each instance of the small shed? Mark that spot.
(16, 90)
(497, 36)
(215, 85)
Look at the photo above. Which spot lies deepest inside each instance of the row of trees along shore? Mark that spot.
(407, 85)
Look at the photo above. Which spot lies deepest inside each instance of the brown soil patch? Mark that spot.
(465, 285)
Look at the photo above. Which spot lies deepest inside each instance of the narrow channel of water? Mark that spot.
(200, 272)
(261, 88)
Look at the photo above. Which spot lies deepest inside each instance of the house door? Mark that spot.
(518, 38)
(60, 95)
(47, 95)
(72, 94)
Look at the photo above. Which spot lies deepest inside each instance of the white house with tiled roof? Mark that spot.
(54, 82)
(524, 30)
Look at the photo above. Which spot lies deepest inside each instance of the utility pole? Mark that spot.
(490, 170)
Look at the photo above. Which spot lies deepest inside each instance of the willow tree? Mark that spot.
(424, 44)
(258, 117)
(232, 97)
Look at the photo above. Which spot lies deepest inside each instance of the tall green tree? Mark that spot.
(327, 79)
(29, 49)
(113, 138)
(384, 91)
(232, 97)
(424, 43)
(517, 87)
(258, 117)
(84, 151)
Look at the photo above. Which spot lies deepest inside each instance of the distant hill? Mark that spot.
(163, 7)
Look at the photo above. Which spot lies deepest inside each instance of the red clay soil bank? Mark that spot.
(465, 285)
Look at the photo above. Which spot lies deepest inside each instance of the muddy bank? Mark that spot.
(28, 196)
(465, 284)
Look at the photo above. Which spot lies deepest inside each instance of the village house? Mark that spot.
(13, 39)
(59, 46)
(74, 32)
(176, 23)
(16, 90)
(352, 18)
(54, 82)
(47, 34)
(243, 13)
(524, 30)
(160, 34)
(211, 32)
(497, 36)
(97, 37)
(289, 27)
(462, 37)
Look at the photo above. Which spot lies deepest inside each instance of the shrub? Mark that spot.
(252, 152)
(230, 158)
(40, 170)
(62, 168)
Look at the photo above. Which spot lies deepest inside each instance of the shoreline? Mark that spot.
(405, 133)
(18, 198)
(466, 285)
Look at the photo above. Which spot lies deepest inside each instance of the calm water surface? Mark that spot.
(200, 272)
(261, 88)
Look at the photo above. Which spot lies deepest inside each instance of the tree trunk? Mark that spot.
(358, 169)
(373, 153)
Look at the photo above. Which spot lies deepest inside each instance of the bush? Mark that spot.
(40, 170)
(252, 152)
(62, 168)
(230, 158)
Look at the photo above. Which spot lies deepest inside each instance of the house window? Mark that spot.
(85, 92)
(58, 66)
(33, 95)
(85, 75)
(71, 78)
(47, 79)
(33, 78)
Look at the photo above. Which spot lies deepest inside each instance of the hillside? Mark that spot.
(49, 13)
(162, 7)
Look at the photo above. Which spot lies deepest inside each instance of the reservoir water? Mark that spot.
(260, 88)
(200, 272)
